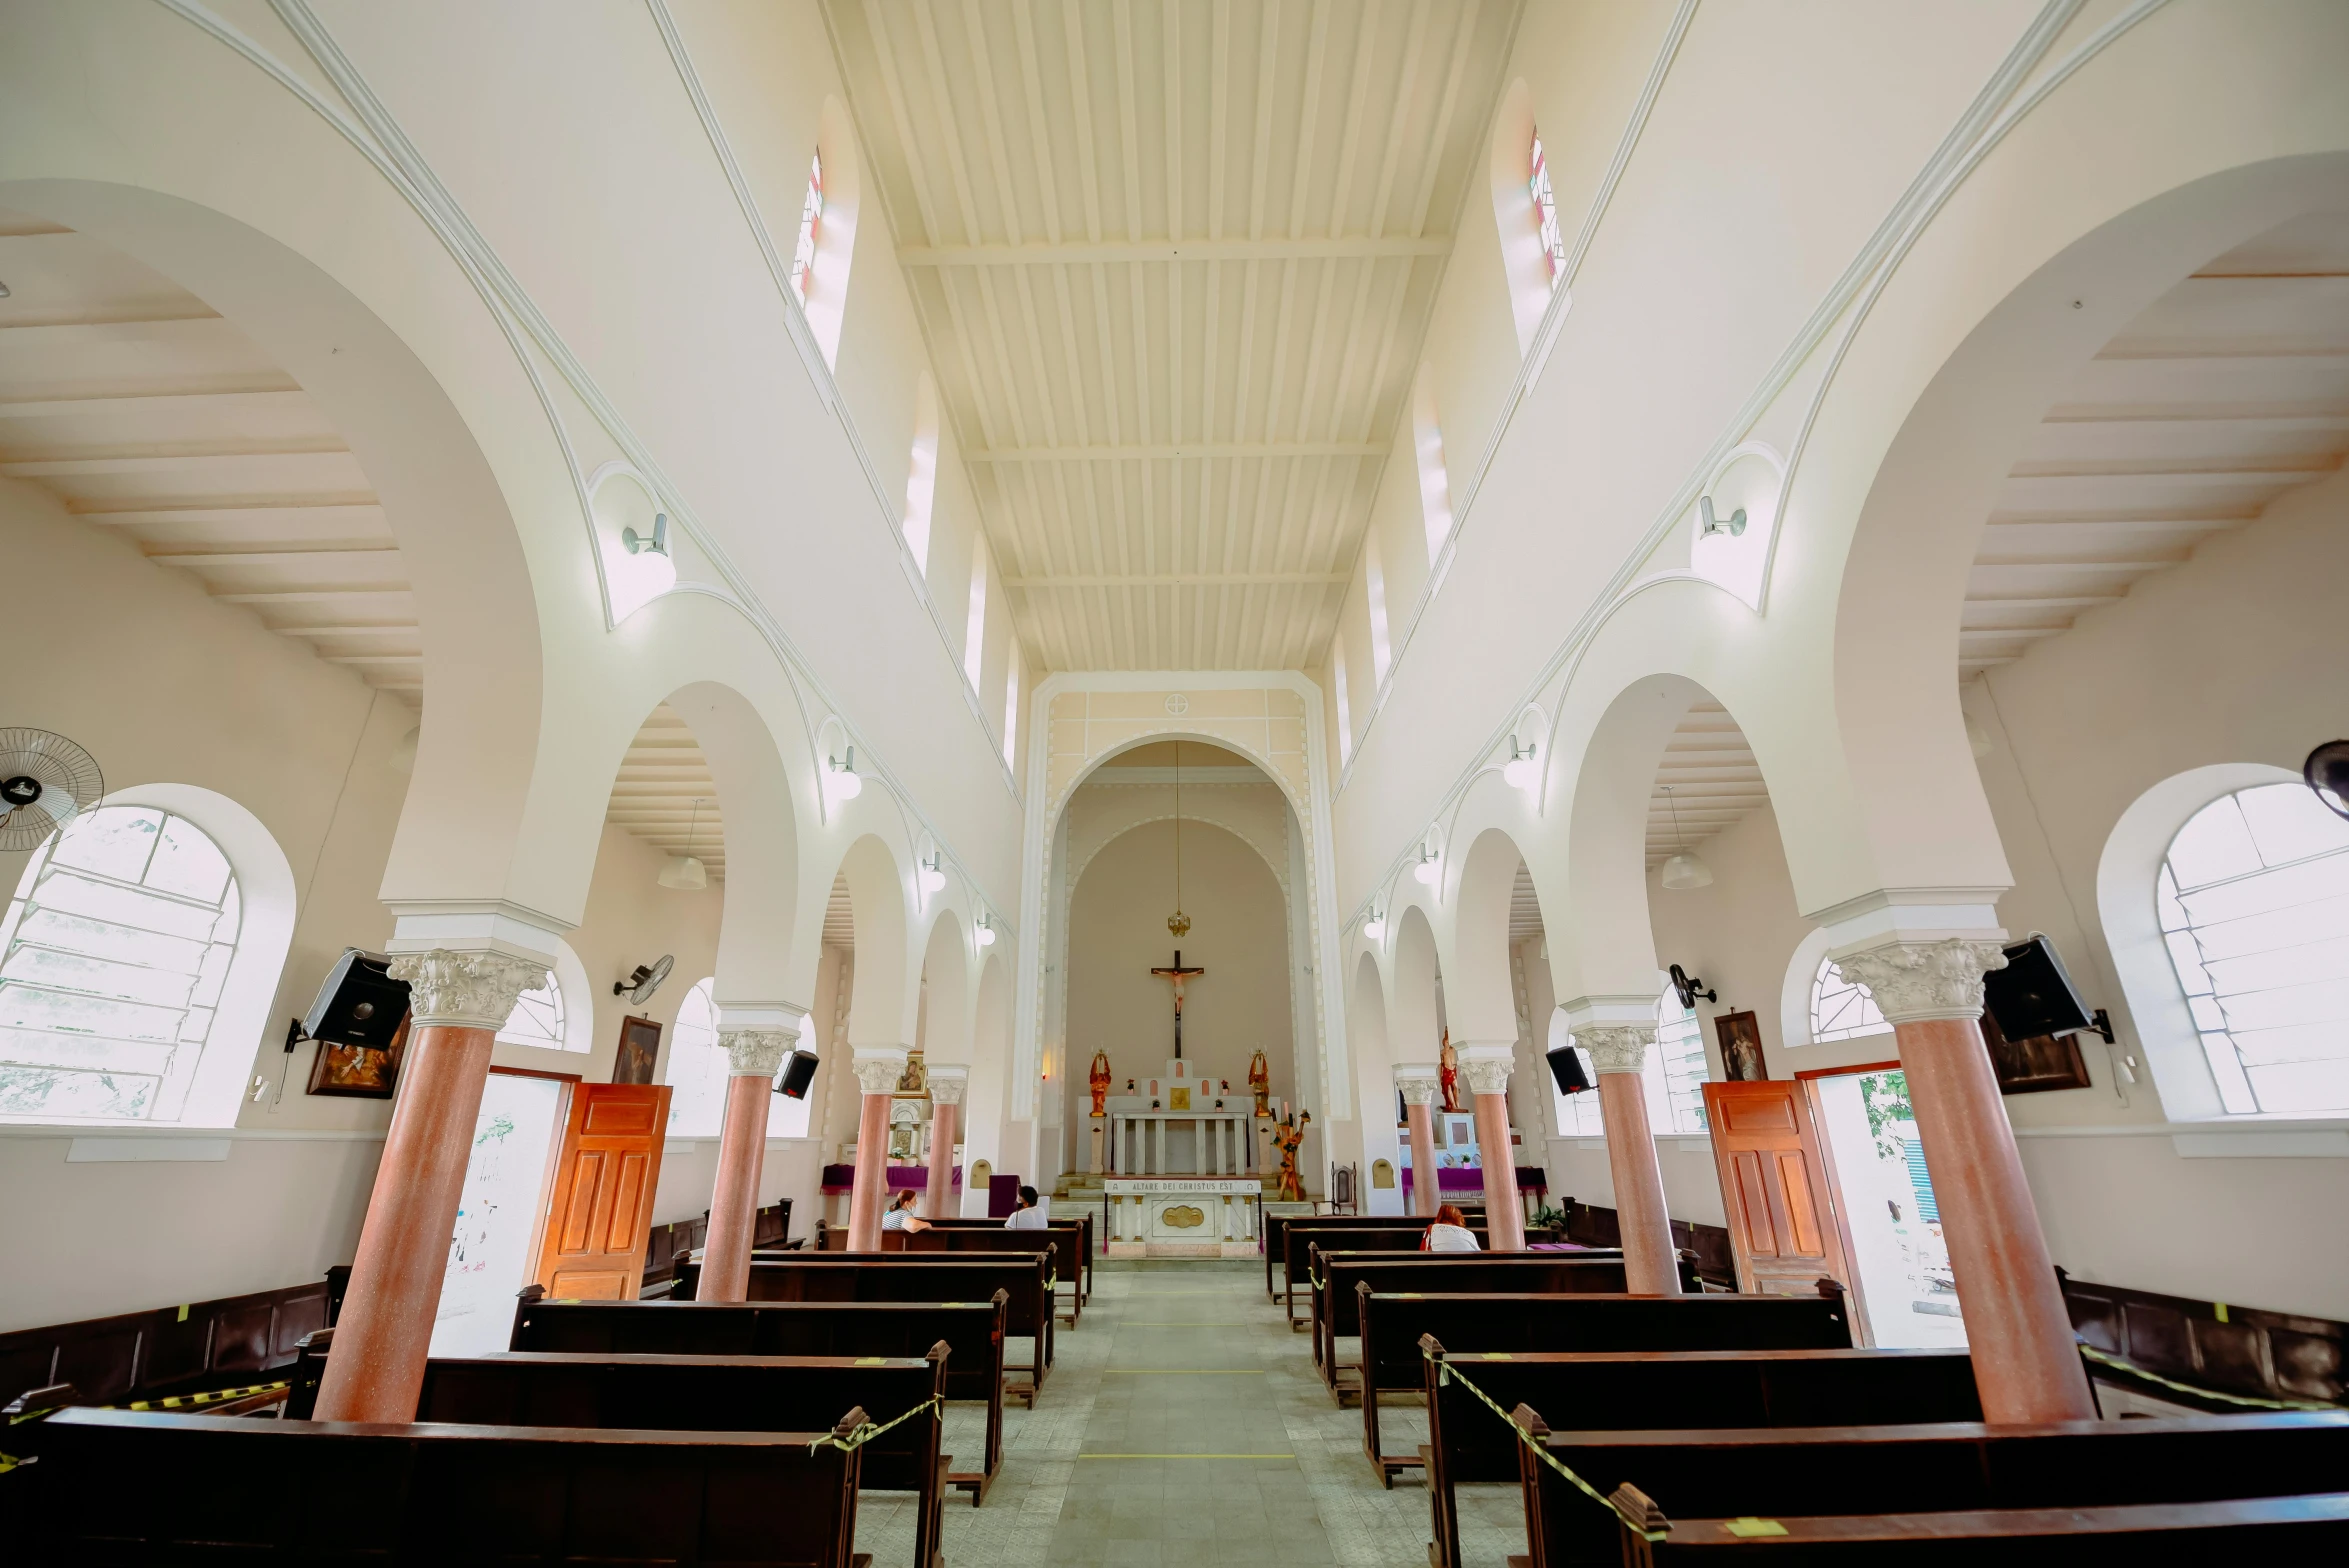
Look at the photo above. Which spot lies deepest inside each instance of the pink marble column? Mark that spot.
(946, 1086)
(754, 1056)
(384, 1335)
(877, 1073)
(1488, 1080)
(1651, 1264)
(1418, 1086)
(2026, 1364)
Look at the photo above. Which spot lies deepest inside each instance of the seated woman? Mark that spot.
(900, 1214)
(1450, 1232)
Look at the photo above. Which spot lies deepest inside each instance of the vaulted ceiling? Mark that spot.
(1173, 263)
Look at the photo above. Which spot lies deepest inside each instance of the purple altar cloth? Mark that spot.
(902, 1178)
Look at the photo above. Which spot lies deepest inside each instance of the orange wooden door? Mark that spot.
(1774, 1185)
(599, 1215)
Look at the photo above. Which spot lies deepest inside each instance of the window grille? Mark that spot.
(811, 220)
(1545, 208)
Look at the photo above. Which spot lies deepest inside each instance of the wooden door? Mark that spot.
(599, 1212)
(1775, 1187)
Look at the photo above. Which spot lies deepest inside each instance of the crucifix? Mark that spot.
(1178, 974)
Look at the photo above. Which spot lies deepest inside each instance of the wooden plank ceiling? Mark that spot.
(1173, 262)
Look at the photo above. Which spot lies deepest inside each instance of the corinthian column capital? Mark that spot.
(877, 1071)
(1916, 981)
(947, 1081)
(475, 990)
(1418, 1084)
(754, 1053)
(1617, 1048)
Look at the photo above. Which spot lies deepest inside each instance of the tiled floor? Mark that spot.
(1184, 1424)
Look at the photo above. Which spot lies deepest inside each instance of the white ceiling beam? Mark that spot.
(226, 395)
(1174, 579)
(1163, 451)
(177, 455)
(245, 558)
(82, 318)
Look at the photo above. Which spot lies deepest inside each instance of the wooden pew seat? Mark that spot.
(1339, 1279)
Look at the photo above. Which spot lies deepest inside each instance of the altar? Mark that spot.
(1177, 1125)
(1169, 1217)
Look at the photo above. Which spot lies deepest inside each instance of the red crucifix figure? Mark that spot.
(1178, 974)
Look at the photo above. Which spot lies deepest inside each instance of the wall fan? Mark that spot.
(640, 986)
(45, 782)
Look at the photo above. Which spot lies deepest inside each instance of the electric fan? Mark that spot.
(45, 782)
(640, 986)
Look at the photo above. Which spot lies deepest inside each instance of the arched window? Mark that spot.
(697, 1068)
(537, 1018)
(1841, 1010)
(974, 646)
(1427, 450)
(2253, 899)
(1672, 1082)
(1374, 584)
(117, 947)
(811, 220)
(1545, 209)
(921, 482)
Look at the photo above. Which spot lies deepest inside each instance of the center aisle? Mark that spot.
(1184, 1424)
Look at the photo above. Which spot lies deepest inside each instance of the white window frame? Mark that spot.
(577, 1001)
(669, 1063)
(268, 901)
(1794, 1006)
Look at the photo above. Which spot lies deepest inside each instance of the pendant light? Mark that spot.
(1178, 922)
(1683, 871)
(683, 872)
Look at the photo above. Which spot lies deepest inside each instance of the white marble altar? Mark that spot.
(1178, 1124)
(1169, 1217)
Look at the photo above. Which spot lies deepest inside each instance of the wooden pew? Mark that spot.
(1942, 1468)
(1627, 1389)
(971, 1331)
(1396, 1328)
(716, 1394)
(913, 1276)
(1299, 1237)
(169, 1351)
(2271, 1529)
(1082, 1219)
(1276, 1225)
(119, 1487)
(1339, 1276)
(1065, 1239)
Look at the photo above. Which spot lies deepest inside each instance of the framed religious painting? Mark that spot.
(1740, 1035)
(640, 1051)
(358, 1072)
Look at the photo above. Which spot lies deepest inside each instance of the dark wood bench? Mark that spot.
(1065, 1240)
(1942, 1468)
(1080, 1219)
(914, 1276)
(1397, 1331)
(2271, 1529)
(121, 1487)
(1275, 1227)
(1469, 1442)
(717, 1394)
(167, 1352)
(971, 1331)
(1300, 1237)
(1339, 1277)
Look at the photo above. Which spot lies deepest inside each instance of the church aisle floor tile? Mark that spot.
(1184, 1425)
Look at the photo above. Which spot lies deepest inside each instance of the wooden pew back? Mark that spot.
(1920, 1469)
(1299, 1239)
(216, 1490)
(1340, 1278)
(1080, 1219)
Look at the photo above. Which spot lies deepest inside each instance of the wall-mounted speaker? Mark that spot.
(1566, 1067)
(2033, 995)
(359, 1003)
(799, 1070)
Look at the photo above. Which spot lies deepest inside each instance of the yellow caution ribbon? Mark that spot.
(867, 1431)
(174, 1402)
(10, 1462)
(2106, 1358)
(1447, 1373)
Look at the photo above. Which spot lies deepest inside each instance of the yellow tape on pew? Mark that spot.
(868, 1431)
(2105, 1358)
(1451, 1374)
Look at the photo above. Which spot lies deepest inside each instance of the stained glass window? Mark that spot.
(2254, 904)
(1545, 208)
(1841, 1010)
(811, 219)
(116, 945)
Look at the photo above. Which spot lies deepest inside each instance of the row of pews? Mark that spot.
(667, 1430)
(1643, 1430)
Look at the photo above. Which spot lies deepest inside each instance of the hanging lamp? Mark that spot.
(683, 872)
(1683, 871)
(1178, 922)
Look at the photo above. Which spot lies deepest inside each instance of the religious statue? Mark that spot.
(1288, 1186)
(1260, 1080)
(1178, 974)
(1448, 1072)
(1098, 1081)
(1129, 1086)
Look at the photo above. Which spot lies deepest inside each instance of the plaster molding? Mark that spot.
(1419, 1083)
(878, 1072)
(948, 1083)
(754, 1053)
(1632, 1010)
(1487, 1075)
(1617, 1048)
(1913, 982)
(791, 1018)
(467, 990)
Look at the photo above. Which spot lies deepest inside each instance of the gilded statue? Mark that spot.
(1098, 1081)
(1260, 1081)
(1288, 1186)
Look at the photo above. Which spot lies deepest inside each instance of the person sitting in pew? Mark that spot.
(900, 1214)
(1029, 1215)
(1450, 1232)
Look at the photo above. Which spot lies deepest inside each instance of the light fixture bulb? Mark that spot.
(1521, 771)
(1428, 870)
(656, 573)
(1375, 928)
(931, 877)
(1683, 872)
(685, 873)
(841, 780)
(986, 932)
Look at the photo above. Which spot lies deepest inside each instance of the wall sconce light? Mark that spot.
(1521, 771)
(651, 552)
(1733, 526)
(1375, 928)
(1430, 869)
(933, 876)
(986, 931)
(2327, 773)
(841, 781)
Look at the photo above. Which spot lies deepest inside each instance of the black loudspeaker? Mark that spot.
(2032, 995)
(1566, 1067)
(799, 1070)
(360, 1003)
